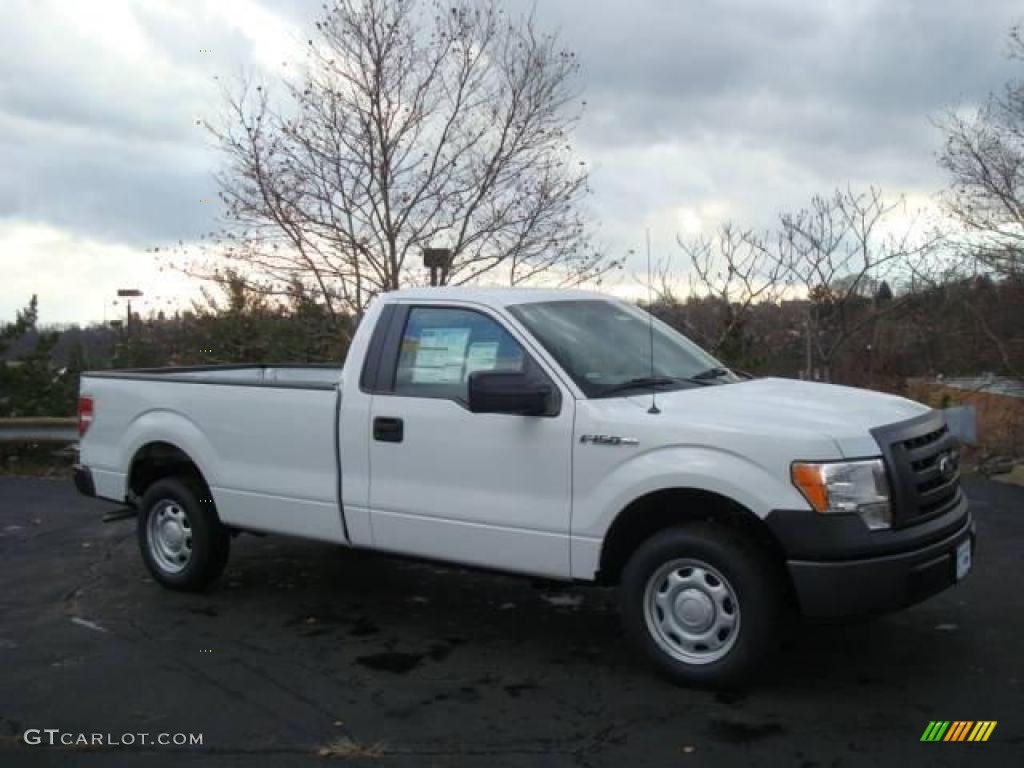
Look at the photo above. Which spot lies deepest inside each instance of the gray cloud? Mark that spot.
(694, 63)
(102, 139)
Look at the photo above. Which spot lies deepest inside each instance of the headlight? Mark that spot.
(847, 486)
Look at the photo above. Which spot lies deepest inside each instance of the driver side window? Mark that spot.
(441, 346)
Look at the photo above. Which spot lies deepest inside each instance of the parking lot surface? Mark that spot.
(307, 653)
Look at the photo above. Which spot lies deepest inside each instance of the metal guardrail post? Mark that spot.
(962, 421)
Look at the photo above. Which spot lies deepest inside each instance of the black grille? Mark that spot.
(923, 460)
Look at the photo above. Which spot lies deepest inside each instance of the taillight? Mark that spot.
(84, 415)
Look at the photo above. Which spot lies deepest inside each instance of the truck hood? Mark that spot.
(783, 406)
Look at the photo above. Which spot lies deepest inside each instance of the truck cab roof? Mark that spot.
(496, 296)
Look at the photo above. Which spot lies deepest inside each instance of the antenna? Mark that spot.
(650, 318)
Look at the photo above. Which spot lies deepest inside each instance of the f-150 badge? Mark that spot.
(608, 440)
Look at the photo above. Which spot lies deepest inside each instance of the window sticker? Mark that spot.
(441, 356)
(482, 356)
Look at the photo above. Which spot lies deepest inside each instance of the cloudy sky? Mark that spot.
(697, 111)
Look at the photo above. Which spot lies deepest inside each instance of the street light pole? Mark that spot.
(438, 261)
(129, 293)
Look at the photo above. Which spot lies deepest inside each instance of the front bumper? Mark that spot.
(832, 588)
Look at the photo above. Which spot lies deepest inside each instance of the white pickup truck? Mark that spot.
(560, 434)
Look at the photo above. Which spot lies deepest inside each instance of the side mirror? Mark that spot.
(507, 392)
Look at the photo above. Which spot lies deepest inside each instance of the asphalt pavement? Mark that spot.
(306, 653)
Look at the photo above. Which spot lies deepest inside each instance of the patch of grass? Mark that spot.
(36, 459)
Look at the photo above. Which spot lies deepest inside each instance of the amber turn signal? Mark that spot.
(808, 478)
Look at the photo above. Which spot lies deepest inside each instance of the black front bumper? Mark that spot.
(83, 481)
(831, 586)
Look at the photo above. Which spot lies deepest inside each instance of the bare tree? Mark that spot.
(735, 269)
(967, 288)
(984, 153)
(838, 253)
(415, 123)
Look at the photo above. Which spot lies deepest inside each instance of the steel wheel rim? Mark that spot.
(169, 536)
(691, 611)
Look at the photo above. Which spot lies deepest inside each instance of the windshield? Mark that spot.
(605, 345)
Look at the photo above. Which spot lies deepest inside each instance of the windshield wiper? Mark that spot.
(711, 374)
(648, 382)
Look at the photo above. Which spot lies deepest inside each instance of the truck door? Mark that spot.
(477, 488)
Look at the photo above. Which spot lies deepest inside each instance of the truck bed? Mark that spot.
(308, 376)
(263, 436)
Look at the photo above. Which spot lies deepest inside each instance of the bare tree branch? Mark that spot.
(415, 123)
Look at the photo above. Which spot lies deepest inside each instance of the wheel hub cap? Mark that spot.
(694, 610)
(169, 536)
(173, 535)
(691, 611)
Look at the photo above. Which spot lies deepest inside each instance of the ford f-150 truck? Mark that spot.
(560, 434)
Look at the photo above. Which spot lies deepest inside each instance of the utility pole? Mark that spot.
(808, 356)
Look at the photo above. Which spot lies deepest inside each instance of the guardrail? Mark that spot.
(38, 430)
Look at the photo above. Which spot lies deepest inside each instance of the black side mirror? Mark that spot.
(507, 392)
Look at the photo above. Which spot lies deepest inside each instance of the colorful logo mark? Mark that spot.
(958, 730)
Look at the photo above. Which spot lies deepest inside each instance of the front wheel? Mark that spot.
(702, 603)
(183, 544)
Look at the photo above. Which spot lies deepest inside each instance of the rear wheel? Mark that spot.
(182, 542)
(703, 604)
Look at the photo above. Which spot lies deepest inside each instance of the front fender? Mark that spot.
(596, 504)
(601, 491)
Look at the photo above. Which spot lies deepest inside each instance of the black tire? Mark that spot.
(186, 500)
(749, 575)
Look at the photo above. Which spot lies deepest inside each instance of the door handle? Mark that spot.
(388, 430)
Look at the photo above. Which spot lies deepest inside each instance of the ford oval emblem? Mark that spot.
(947, 466)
